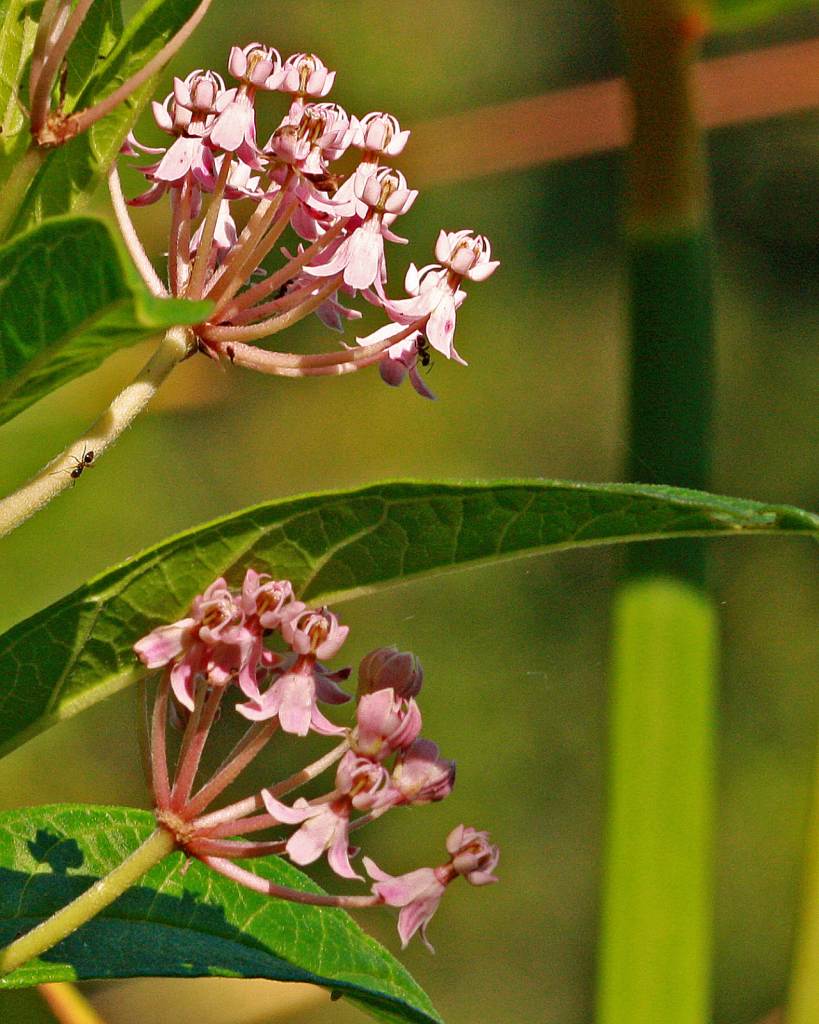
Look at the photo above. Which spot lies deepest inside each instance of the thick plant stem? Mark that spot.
(57, 475)
(16, 187)
(67, 1004)
(47, 934)
(655, 943)
(656, 927)
(802, 1005)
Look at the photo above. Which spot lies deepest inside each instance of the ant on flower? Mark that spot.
(424, 354)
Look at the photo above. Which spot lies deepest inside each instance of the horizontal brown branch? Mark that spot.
(593, 118)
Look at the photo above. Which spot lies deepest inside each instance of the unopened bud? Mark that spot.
(387, 668)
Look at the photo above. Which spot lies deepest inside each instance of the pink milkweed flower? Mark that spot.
(234, 129)
(268, 601)
(362, 784)
(473, 856)
(421, 776)
(254, 64)
(213, 642)
(378, 199)
(401, 360)
(293, 695)
(301, 75)
(380, 134)
(417, 893)
(385, 723)
(313, 632)
(464, 255)
(386, 668)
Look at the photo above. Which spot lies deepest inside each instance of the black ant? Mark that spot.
(424, 354)
(81, 463)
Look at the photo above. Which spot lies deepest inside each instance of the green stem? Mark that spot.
(47, 934)
(16, 187)
(56, 476)
(802, 1005)
(656, 924)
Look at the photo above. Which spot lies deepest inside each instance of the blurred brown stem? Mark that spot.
(592, 118)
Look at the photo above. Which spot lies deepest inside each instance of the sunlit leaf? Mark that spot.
(69, 298)
(182, 924)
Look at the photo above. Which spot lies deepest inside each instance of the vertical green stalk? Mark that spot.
(656, 916)
(803, 989)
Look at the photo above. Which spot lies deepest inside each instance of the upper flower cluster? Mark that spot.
(343, 223)
(382, 762)
(222, 640)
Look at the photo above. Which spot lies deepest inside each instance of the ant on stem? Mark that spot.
(81, 463)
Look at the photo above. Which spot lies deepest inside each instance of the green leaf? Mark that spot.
(183, 925)
(69, 298)
(102, 58)
(333, 547)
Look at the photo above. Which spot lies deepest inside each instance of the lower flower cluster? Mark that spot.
(381, 761)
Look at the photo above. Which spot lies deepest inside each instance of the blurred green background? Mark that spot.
(514, 656)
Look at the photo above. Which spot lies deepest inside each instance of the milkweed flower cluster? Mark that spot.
(381, 761)
(216, 161)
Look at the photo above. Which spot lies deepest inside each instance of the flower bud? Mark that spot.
(386, 668)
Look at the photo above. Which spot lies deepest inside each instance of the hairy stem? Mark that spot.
(56, 476)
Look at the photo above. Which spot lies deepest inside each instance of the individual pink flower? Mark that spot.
(380, 134)
(473, 856)
(465, 255)
(417, 893)
(302, 75)
(270, 600)
(362, 784)
(234, 129)
(293, 696)
(401, 360)
(385, 723)
(421, 775)
(313, 632)
(378, 199)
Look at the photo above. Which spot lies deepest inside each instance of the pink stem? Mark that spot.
(244, 752)
(88, 117)
(254, 257)
(254, 332)
(56, 49)
(281, 276)
(310, 772)
(242, 259)
(198, 729)
(262, 885)
(205, 846)
(287, 301)
(196, 284)
(130, 237)
(231, 813)
(287, 364)
(159, 756)
(240, 827)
